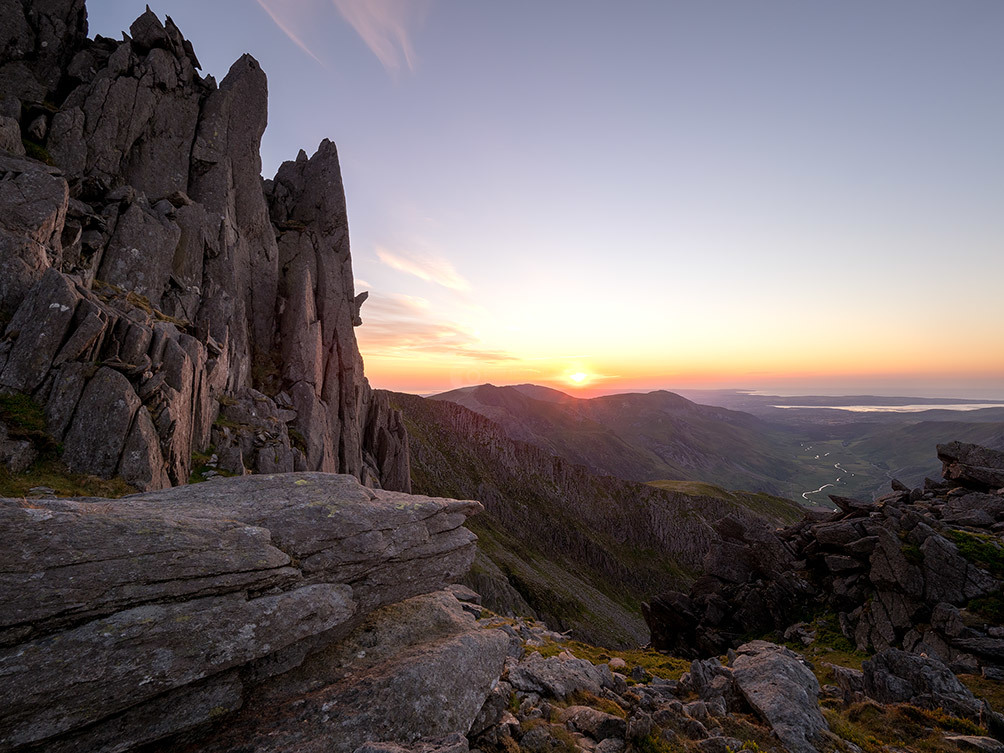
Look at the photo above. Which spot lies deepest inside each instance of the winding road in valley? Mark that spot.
(840, 468)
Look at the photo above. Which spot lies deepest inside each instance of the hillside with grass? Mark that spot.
(643, 437)
(578, 550)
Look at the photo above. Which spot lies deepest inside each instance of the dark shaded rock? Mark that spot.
(16, 455)
(720, 744)
(187, 642)
(852, 505)
(948, 577)
(493, 709)
(37, 41)
(977, 743)
(140, 253)
(32, 212)
(895, 676)
(972, 465)
(850, 681)
(101, 424)
(142, 463)
(597, 724)
(38, 329)
(10, 136)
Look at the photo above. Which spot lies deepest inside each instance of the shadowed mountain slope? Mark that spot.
(578, 550)
(642, 437)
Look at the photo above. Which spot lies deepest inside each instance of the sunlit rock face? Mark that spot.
(158, 301)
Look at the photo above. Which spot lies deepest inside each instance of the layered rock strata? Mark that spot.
(150, 282)
(158, 617)
(919, 569)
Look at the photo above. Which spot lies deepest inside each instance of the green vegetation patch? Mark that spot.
(990, 690)
(831, 646)
(913, 554)
(51, 473)
(585, 698)
(990, 608)
(201, 468)
(25, 420)
(774, 508)
(37, 151)
(654, 662)
(875, 728)
(980, 549)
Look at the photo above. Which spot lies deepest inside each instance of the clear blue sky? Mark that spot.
(799, 195)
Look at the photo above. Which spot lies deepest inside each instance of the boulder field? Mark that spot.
(917, 569)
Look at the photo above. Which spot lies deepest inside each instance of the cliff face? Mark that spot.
(159, 300)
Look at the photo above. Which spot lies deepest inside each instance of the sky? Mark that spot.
(797, 196)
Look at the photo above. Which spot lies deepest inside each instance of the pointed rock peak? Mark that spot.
(246, 72)
(148, 32)
(301, 156)
(327, 149)
(248, 61)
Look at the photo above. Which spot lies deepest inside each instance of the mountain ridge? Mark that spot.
(639, 436)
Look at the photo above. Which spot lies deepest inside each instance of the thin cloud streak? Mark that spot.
(425, 267)
(402, 326)
(277, 20)
(383, 26)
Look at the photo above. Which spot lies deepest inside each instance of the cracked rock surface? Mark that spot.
(120, 612)
(149, 245)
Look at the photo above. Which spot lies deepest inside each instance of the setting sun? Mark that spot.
(578, 377)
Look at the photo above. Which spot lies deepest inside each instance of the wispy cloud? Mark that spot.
(428, 267)
(404, 326)
(281, 19)
(385, 27)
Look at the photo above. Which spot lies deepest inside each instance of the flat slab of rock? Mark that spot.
(782, 690)
(418, 669)
(972, 465)
(118, 612)
(560, 676)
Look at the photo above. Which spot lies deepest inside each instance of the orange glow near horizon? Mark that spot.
(432, 374)
(415, 345)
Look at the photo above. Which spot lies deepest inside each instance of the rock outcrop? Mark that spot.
(203, 614)
(151, 282)
(920, 569)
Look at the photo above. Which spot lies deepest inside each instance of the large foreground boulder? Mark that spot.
(782, 690)
(421, 668)
(133, 620)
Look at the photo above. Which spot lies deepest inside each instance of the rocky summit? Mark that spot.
(169, 317)
(158, 301)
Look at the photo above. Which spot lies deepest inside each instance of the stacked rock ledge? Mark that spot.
(159, 617)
